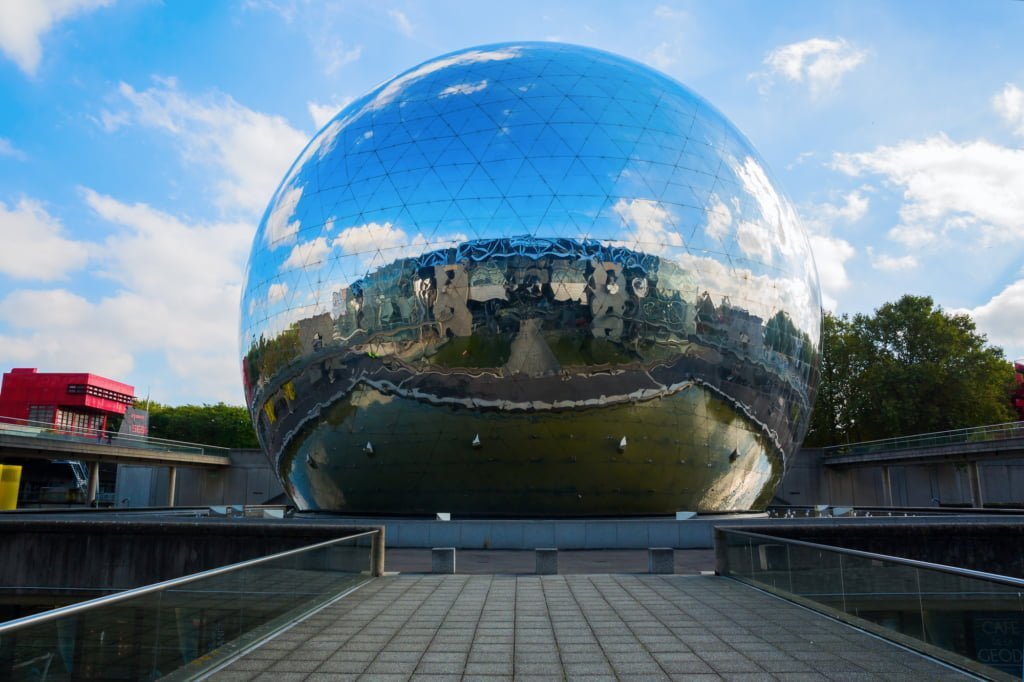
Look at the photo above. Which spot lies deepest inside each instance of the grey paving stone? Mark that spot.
(250, 664)
(588, 669)
(231, 676)
(391, 667)
(294, 665)
(474, 669)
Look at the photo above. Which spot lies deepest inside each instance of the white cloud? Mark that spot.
(370, 237)
(1009, 103)
(306, 254)
(664, 55)
(276, 292)
(393, 87)
(830, 255)
(651, 224)
(888, 263)
(280, 228)
(819, 62)
(821, 218)
(249, 151)
(175, 291)
(777, 226)
(669, 13)
(322, 113)
(949, 186)
(755, 240)
(377, 244)
(463, 89)
(7, 148)
(336, 54)
(1002, 319)
(24, 22)
(719, 218)
(34, 245)
(402, 22)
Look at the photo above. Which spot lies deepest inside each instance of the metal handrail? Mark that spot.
(127, 439)
(942, 568)
(106, 600)
(904, 442)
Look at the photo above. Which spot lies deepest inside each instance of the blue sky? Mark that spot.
(140, 143)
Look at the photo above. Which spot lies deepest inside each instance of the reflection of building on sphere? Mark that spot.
(530, 279)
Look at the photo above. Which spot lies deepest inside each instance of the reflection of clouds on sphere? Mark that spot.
(540, 249)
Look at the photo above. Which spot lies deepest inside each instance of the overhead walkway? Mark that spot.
(964, 448)
(980, 442)
(23, 439)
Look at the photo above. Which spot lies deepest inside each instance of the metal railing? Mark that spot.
(971, 619)
(49, 431)
(189, 623)
(976, 434)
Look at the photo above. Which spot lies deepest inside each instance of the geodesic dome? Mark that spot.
(530, 278)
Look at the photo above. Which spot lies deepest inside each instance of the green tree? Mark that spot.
(908, 368)
(228, 426)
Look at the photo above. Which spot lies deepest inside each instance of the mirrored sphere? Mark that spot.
(530, 279)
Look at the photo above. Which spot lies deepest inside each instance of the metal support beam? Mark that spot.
(172, 484)
(974, 479)
(94, 483)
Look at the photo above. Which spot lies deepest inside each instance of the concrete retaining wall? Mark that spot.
(98, 554)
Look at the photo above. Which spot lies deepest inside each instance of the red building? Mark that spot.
(71, 402)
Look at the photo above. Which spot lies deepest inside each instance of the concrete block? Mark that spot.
(442, 560)
(661, 560)
(685, 515)
(547, 561)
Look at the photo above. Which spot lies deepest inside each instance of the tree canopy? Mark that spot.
(228, 426)
(908, 368)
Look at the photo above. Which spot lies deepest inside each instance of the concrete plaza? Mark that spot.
(606, 626)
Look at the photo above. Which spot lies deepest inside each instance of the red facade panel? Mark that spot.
(78, 392)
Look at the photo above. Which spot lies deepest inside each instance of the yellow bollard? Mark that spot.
(10, 481)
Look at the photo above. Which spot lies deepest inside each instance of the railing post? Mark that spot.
(377, 554)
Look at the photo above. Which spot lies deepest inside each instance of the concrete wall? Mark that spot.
(249, 480)
(808, 481)
(103, 554)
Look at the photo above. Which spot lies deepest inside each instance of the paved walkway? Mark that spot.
(626, 627)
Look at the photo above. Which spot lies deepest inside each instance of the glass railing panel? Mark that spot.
(816, 575)
(882, 592)
(978, 619)
(972, 620)
(187, 624)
